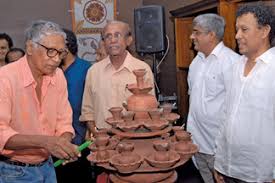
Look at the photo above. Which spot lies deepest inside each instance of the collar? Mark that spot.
(28, 77)
(215, 52)
(267, 56)
(127, 64)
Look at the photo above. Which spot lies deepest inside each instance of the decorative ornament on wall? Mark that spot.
(95, 12)
(88, 19)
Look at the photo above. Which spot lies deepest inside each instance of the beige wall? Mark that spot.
(15, 15)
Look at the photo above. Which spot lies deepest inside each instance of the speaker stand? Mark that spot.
(155, 72)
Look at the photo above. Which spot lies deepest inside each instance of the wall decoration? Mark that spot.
(88, 19)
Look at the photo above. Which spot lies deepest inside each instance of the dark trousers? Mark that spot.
(232, 180)
(79, 171)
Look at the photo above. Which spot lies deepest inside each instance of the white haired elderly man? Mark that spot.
(35, 115)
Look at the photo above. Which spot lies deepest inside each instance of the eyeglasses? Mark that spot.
(52, 52)
(116, 35)
(197, 32)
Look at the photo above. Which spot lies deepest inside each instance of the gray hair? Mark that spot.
(125, 25)
(211, 22)
(41, 28)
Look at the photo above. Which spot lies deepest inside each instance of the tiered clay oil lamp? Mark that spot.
(144, 134)
(141, 101)
(116, 116)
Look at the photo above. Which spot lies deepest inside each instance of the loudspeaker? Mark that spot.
(149, 29)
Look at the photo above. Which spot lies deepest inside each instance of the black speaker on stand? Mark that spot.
(150, 29)
(150, 35)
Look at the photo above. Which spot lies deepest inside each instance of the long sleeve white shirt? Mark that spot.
(207, 92)
(246, 141)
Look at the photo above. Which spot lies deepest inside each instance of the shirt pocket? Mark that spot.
(212, 85)
(259, 95)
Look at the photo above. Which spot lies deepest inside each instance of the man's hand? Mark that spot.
(91, 127)
(62, 148)
(92, 131)
(218, 177)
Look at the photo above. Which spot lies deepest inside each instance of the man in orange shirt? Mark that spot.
(35, 114)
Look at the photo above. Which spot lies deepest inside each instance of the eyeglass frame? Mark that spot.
(116, 35)
(197, 32)
(53, 49)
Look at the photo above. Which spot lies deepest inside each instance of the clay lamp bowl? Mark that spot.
(114, 140)
(187, 151)
(117, 116)
(128, 116)
(183, 136)
(156, 125)
(111, 144)
(177, 128)
(172, 117)
(166, 109)
(130, 126)
(161, 145)
(139, 73)
(174, 157)
(101, 156)
(101, 132)
(126, 164)
(133, 88)
(102, 141)
(155, 114)
(125, 147)
(116, 112)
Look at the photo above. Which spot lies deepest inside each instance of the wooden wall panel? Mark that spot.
(228, 11)
(183, 98)
(184, 52)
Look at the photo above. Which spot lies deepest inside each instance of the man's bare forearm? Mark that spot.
(18, 142)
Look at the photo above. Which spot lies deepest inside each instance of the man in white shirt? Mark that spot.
(206, 88)
(246, 141)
